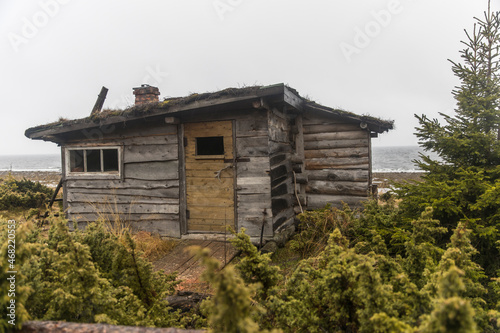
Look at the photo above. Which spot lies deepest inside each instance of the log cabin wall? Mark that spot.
(337, 161)
(280, 150)
(147, 195)
(253, 183)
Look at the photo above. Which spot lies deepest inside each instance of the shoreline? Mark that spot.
(51, 178)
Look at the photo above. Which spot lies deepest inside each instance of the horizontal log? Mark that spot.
(328, 144)
(141, 208)
(295, 159)
(315, 201)
(338, 175)
(166, 152)
(252, 146)
(152, 170)
(92, 217)
(351, 135)
(301, 178)
(315, 119)
(253, 124)
(329, 128)
(149, 140)
(338, 152)
(93, 198)
(256, 167)
(110, 184)
(337, 188)
(253, 199)
(341, 163)
(126, 192)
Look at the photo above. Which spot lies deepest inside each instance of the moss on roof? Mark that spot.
(149, 109)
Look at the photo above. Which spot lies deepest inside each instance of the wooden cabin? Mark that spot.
(249, 158)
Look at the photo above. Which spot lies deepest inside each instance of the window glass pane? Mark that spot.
(76, 161)
(213, 145)
(93, 160)
(110, 159)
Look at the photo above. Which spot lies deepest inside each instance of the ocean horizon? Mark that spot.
(385, 159)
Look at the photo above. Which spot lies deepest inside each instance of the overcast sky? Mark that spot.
(384, 58)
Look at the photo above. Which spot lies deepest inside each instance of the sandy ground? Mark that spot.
(51, 179)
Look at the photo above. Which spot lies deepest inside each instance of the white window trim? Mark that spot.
(93, 175)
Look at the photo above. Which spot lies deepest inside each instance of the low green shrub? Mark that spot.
(23, 194)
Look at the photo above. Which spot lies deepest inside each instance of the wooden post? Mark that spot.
(100, 101)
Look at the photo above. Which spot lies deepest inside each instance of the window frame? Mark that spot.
(96, 174)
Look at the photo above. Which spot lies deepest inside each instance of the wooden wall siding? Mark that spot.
(280, 148)
(210, 200)
(337, 162)
(253, 182)
(147, 196)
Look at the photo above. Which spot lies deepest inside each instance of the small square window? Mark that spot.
(101, 162)
(213, 145)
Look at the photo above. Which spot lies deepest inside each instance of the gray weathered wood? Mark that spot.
(337, 188)
(339, 175)
(110, 184)
(338, 152)
(333, 163)
(252, 146)
(111, 198)
(350, 135)
(315, 201)
(328, 144)
(152, 170)
(328, 128)
(128, 208)
(150, 153)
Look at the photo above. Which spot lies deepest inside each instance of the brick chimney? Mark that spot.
(146, 94)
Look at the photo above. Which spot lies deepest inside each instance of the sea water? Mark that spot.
(385, 159)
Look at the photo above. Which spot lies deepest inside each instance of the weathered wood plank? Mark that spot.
(252, 146)
(150, 140)
(315, 201)
(128, 192)
(153, 153)
(328, 144)
(341, 163)
(253, 199)
(152, 170)
(254, 124)
(338, 175)
(350, 135)
(141, 208)
(316, 119)
(112, 198)
(111, 184)
(111, 217)
(337, 153)
(328, 128)
(337, 188)
(256, 167)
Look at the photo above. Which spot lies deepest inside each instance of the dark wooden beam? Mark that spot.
(100, 101)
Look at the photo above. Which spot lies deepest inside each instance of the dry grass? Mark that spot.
(153, 246)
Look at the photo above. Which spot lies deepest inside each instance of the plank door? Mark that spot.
(209, 176)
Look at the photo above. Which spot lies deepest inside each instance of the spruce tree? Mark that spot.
(463, 185)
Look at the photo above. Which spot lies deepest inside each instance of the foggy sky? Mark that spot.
(386, 59)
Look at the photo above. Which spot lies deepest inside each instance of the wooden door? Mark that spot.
(209, 176)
